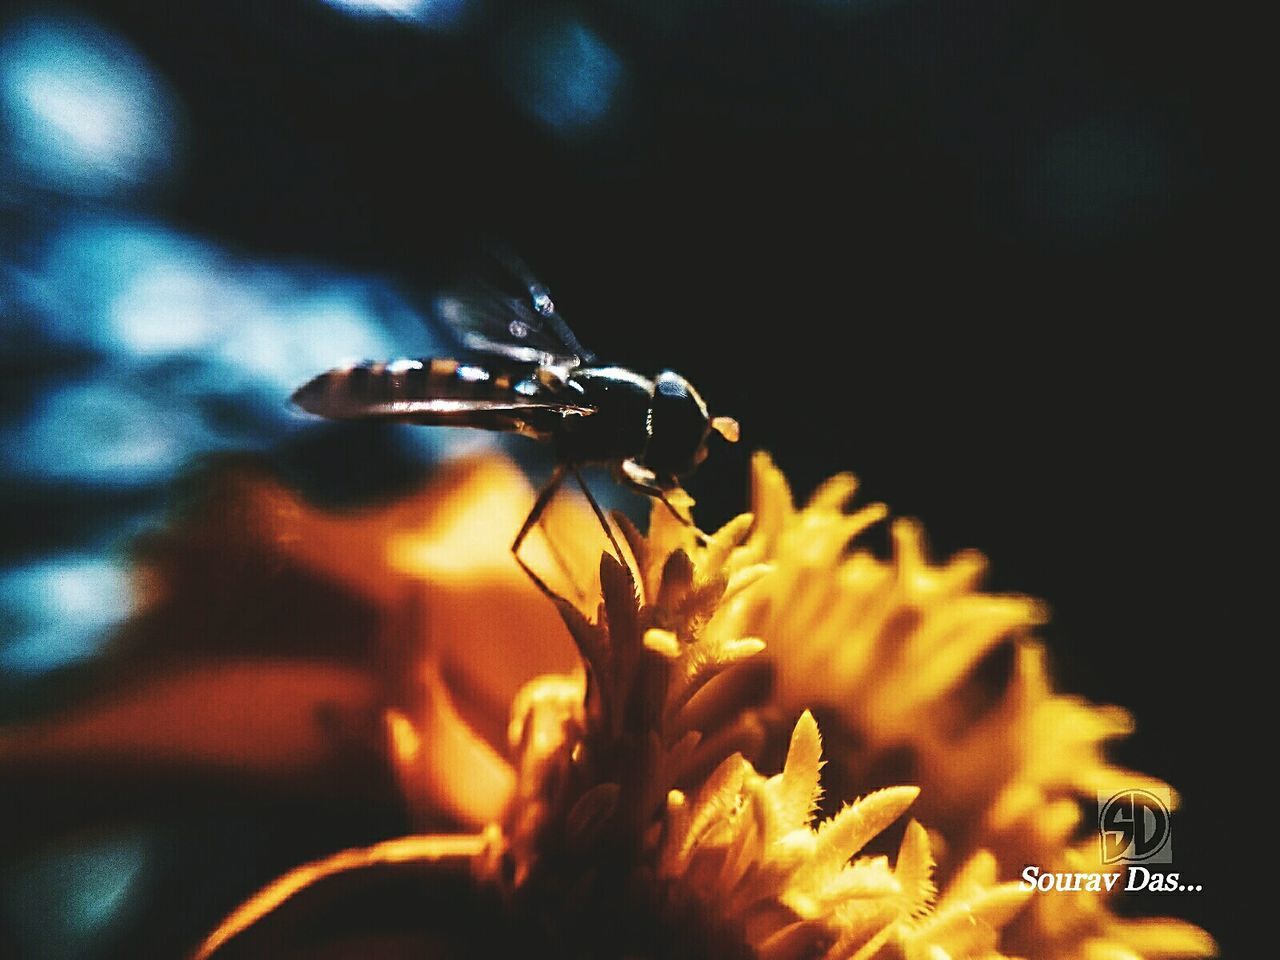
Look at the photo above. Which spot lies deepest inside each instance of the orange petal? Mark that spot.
(272, 719)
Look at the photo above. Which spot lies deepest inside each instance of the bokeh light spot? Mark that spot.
(100, 433)
(66, 902)
(295, 336)
(438, 14)
(81, 112)
(129, 289)
(168, 307)
(55, 612)
(563, 75)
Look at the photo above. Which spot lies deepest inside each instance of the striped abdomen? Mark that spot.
(400, 387)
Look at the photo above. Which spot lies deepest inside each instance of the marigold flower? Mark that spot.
(656, 791)
(636, 802)
(892, 648)
(638, 825)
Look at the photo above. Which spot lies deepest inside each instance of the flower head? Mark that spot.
(666, 791)
(640, 817)
(894, 651)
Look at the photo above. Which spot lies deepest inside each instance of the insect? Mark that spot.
(523, 371)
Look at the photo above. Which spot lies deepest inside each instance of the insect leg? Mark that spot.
(642, 480)
(535, 516)
(558, 556)
(604, 523)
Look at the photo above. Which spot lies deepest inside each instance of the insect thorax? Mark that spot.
(661, 423)
(619, 429)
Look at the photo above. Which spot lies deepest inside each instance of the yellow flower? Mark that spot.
(637, 825)
(603, 825)
(657, 789)
(893, 649)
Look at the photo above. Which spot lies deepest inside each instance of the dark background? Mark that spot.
(974, 252)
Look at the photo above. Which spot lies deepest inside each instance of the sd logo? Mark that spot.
(1134, 826)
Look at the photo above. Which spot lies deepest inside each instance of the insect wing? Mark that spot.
(503, 311)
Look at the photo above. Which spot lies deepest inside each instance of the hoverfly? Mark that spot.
(523, 371)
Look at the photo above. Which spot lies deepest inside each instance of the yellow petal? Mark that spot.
(424, 849)
(796, 791)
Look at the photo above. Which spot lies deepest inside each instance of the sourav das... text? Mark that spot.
(1133, 880)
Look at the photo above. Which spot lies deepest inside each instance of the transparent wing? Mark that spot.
(502, 310)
